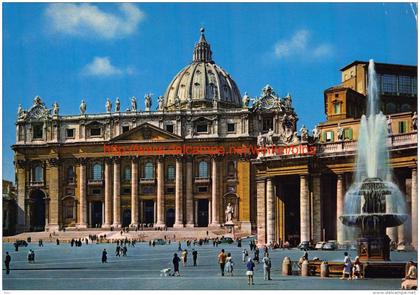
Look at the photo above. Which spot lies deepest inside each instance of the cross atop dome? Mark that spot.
(202, 51)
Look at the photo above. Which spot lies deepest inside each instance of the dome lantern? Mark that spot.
(202, 51)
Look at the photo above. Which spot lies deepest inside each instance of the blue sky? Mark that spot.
(69, 52)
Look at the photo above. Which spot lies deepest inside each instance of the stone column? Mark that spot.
(214, 195)
(108, 194)
(189, 194)
(261, 212)
(154, 211)
(54, 194)
(316, 210)
(270, 211)
(209, 211)
(196, 212)
(134, 192)
(82, 195)
(160, 221)
(117, 191)
(414, 206)
(90, 215)
(47, 212)
(340, 209)
(141, 211)
(304, 209)
(21, 195)
(178, 193)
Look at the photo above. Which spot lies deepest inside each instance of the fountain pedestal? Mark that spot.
(370, 248)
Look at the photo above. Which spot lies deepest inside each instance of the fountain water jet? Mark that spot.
(373, 202)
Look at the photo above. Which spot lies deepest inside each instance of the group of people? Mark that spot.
(77, 243)
(352, 270)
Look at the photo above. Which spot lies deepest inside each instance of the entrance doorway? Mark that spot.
(126, 217)
(96, 214)
(149, 212)
(203, 213)
(37, 211)
(170, 217)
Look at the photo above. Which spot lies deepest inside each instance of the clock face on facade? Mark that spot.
(267, 103)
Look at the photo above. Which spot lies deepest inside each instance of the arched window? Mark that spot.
(149, 171)
(390, 108)
(170, 172)
(38, 173)
(337, 107)
(203, 170)
(97, 172)
(127, 173)
(405, 108)
(231, 169)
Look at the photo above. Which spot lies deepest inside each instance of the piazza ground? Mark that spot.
(69, 268)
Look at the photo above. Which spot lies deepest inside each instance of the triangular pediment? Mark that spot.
(146, 132)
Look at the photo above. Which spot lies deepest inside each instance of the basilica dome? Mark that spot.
(202, 84)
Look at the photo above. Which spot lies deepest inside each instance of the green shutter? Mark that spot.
(405, 126)
(324, 136)
(332, 136)
(351, 133)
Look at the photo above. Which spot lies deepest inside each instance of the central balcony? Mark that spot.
(95, 182)
(202, 180)
(147, 180)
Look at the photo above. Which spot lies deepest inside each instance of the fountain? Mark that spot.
(373, 201)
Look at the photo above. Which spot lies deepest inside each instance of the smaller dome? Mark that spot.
(201, 83)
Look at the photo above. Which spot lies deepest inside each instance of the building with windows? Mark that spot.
(300, 196)
(108, 170)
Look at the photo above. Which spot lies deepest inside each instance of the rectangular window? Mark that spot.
(231, 127)
(70, 133)
(96, 191)
(148, 190)
(389, 84)
(348, 133)
(337, 107)
(126, 191)
(170, 190)
(404, 85)
(402, 127)
(37, 131)
(267, 124)
(329, 137)
(202, 127)
(95, 131)
(202, 189)
(169, 128)
(414, 86)
(125, 128)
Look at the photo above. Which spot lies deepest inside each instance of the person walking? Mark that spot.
(267, 266)
(229, 264)
(104, 256)
(7, 262)
(222, 261)
(175, 262)
(58, 242)
(257, 255)
(184, 257)
(250, 271)
(118, 251)
(244, 255)
(194, 255)
(357, 269)
(347, 267)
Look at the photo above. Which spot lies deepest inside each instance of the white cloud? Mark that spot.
(102, 67)
(88, 20)
(299, 44)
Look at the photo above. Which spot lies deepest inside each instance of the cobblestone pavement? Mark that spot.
(65, 267)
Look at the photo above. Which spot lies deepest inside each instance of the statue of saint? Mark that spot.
(117, 104)
(160, 103)
(134, 104)
(260, 140)
(269, 137)
(303, 133)
(316, 133)
(229, 212)
(108, 105)
(177, 101)
(20, 112)
(414, 122)
(389, 124)
(245, 101)
(288, 101)
(340, 132)
(82, 107)
(55, 108)
(147, 102)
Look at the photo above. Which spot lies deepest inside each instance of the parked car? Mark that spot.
(159, 242)
(226, 240)
(20, 243)
(305, 245)
(319, 245)
(330, 245)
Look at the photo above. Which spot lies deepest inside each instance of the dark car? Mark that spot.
(20, 243)
(305, 245)
(226, 240)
